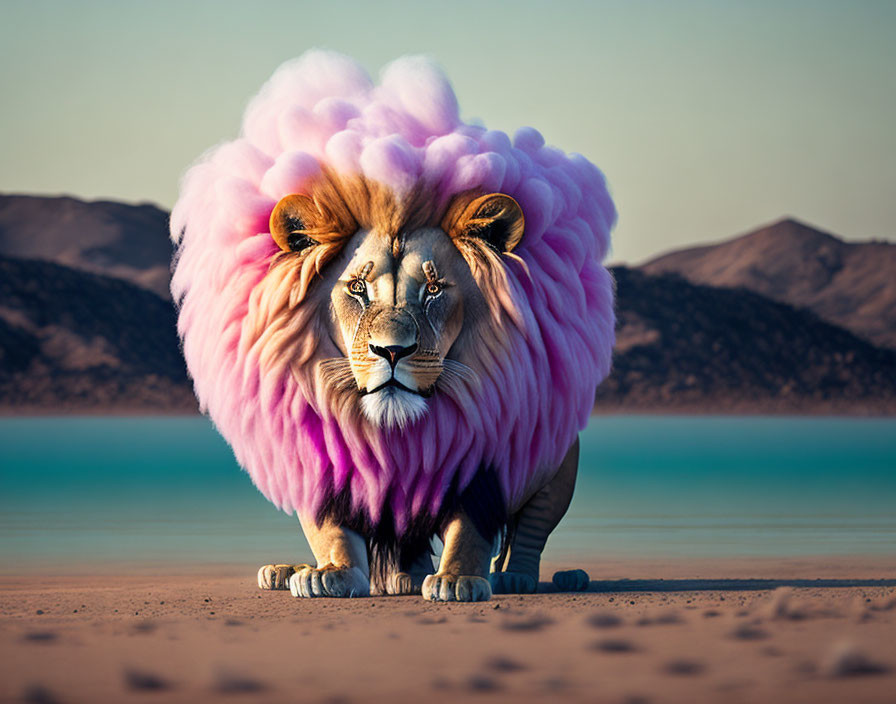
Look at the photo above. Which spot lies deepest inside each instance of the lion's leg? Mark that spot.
(408, 577)
(516, 571)
(463, 569)
(342, 568)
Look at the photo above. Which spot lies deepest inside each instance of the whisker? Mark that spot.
(336, 372)
(458, 380)
(461, 370)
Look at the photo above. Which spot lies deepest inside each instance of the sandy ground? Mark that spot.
(648, 632)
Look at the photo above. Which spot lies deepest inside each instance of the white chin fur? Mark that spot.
(391, 407)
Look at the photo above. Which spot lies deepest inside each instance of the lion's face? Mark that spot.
(397, 308)
(399, 301)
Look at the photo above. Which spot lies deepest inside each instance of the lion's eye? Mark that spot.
(357, 287)
(433, 288)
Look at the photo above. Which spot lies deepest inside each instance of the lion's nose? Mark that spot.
(392, 353)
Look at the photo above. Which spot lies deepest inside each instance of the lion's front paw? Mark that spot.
(512, 583)
(449, 587)
(329, 581)
(276, 576)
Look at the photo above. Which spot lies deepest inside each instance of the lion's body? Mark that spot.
(270, 347)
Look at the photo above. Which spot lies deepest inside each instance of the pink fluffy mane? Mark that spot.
(323, 110)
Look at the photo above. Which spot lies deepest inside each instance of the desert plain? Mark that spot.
(648, 631)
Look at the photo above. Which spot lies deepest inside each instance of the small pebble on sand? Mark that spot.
(556, 684)
(780, 606)
(483, 683)
(746, 631)
(848, 660)
(499, 663)
(530, 622)
(683, 667)
(614, 645)
(604, 619)
(142, 680)
(40, 637)
(230, 682)
(38, 694)
(636, 699)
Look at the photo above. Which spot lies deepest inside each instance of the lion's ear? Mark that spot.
(293, 220)
(495, 218)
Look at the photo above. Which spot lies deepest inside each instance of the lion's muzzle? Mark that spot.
(393, 370)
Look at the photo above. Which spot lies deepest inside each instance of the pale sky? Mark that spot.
(708, 118)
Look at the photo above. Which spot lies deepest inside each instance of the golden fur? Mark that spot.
(283, 330)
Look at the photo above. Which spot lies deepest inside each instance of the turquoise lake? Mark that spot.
(167, 488)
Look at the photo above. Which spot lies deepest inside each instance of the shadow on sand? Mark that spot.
(705, 585)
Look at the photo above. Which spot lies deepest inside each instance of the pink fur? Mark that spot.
(323, 109)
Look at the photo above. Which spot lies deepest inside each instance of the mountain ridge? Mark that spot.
(683, 347)
(73, 341)
(92, 337)
(850, 284)
(104, 237)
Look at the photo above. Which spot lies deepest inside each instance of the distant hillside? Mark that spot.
(115, 239)
(74, 341)
(686, 347)
(847, 283)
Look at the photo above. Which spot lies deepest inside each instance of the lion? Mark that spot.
(398, 321)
